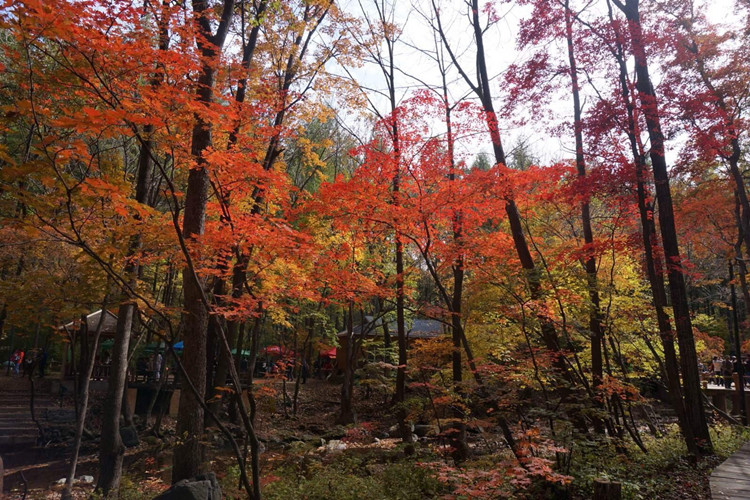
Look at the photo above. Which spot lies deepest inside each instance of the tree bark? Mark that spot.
(346, 413)
(595, 316)
(653, 264)
(189, 454)
(695, 413)
(111, 449)
(482, 90)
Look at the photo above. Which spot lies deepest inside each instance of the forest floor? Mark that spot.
(307, 456)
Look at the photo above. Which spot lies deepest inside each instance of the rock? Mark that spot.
(201, 487)
(394, 431)
(129, 437)
(422, 430)
(335, 445)
(61, 481)
(86, 479)
(414, 438)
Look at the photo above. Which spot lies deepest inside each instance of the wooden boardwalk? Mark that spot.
(731, 479)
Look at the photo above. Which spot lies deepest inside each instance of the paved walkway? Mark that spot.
(731, 479)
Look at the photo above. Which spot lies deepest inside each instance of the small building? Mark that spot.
(371, 329)
(81, 341)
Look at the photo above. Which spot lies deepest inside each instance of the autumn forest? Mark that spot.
(374, 248)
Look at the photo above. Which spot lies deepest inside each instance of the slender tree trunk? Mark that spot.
(111, 449)
(695, 413)
(742, 274)
(654, 267)
(222, 367)
(738, 349)
(595, 323)
(458, 439)
(88, 369)
(346, 414)
(482, 89)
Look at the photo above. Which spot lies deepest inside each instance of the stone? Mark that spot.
(129, 436)
(201, 487)
(335, 445)
(86, 479)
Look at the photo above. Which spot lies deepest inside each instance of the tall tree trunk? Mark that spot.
(695, 413)
(386, 62)
(189, 454)
(111, 449)
(458, 439)
(482, 90)
(653, 264)
(595, 323)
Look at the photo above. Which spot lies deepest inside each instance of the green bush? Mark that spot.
(353, 478)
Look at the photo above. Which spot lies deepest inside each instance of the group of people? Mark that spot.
(723, 367)
(28, 361)
(149, 367)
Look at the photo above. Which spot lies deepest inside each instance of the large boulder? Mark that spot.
(201, 487)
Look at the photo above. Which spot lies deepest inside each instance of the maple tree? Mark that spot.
(196, 166)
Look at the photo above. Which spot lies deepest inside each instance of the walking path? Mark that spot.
(731, 479)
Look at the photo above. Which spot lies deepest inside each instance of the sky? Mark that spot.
(501, 52)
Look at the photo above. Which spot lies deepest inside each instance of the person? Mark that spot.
(42, 361)
(717, 367)
(304, 371)
(14, 361)
(157, 366)
(19, 362)
(29, 364)
(727, 372)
